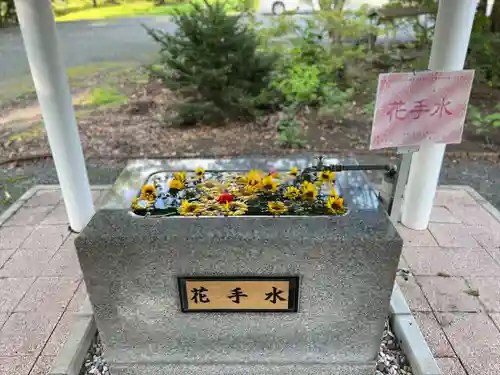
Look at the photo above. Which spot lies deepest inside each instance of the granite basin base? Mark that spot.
(244, 369)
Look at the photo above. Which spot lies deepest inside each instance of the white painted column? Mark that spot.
(38, 29)
(449, 48)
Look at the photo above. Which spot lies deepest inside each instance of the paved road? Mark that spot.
(87, 42)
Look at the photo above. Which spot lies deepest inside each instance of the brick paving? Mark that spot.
(453, 287)
(41, 286)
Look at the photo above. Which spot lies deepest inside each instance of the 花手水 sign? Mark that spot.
(412, 108)
(239, 294)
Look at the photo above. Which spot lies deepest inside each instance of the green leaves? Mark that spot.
(481, 122)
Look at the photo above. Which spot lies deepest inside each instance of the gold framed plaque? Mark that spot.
(239, 294)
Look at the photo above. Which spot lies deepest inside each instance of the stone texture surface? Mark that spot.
(271, 369)
(346, 264)
(451, 366)
(489, 291)
(448, 294)
(434, 335)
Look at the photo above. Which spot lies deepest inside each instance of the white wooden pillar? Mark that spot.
(449, 49)
(38, 29)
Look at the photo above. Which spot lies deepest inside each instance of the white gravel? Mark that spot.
(391, 360)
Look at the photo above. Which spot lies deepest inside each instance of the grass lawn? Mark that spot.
(83, 10)
(74, 10)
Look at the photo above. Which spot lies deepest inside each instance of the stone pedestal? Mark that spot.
(346, 267)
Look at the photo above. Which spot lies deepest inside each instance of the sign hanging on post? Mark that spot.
(412, 108)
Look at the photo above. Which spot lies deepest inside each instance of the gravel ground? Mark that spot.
(482, 175)
(391, 360)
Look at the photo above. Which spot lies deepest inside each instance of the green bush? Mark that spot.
(212, 62)
(7, 13)
(483, 57)
(483, 123)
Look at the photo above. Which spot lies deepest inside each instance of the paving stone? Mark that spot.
(489, 291)
(28, 216)
(434, 335)
(483, 365)
(470, 334)
(453, 198)
(441, 214)
(452, 235)
(448, 294)
(26, 263)
(403, 264)
(18, 365)
(60, 334)
(45, 198)
(413, 294)
(496, 319)
(3, 318)
(12, 237)
(51, 294)
(26, 333)
(43, 365)
(475, 216)
(450, 366)
(58, 216)
(47, 237)
(64, 263)
(12, 290)
(415, 237)
(430, 261)
(490, 240)
(5, 255)
(79, 298)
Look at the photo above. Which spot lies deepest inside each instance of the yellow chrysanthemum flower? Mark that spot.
(333, 192)
(200, 172)
(180, 176)
(148, 192)
(276, 208)
(292, 193)
(327, 176)
(269, 185)
(293, 172)
(253, 180)
(140, 204)
(176, 184)
(335, 204)
(235, 208)
(309, 191)
(190, 209)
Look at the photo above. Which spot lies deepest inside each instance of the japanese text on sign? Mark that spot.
(412, 108)
(235, 294)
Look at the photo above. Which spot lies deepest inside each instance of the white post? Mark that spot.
(38, 29)
(449, 48)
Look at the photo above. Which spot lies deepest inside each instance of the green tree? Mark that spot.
(213, 63)
(7, 13)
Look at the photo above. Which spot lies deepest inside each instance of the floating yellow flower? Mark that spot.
(148, 192)
(276, 208)
(180, 176)
(200, 172)
(292, 193)
(327, 176)
(176, 184)
(269, 185)
(335, 204)
(333, 192)
(293, 172)
(253, 180)
(213, 209)
(140, 204)
(212, 186)
(235, 208)
(190, 209)
(309, 191)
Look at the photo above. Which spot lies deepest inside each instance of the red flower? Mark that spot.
(273, 172)
(225, 198)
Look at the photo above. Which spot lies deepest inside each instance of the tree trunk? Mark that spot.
(94, 2)
(495, 17)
